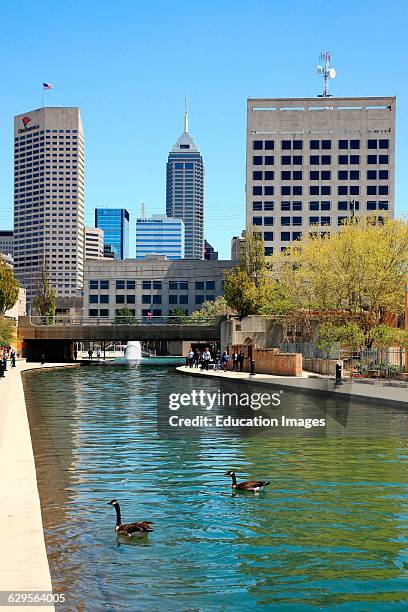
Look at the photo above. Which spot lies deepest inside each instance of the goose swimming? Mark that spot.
(248, 485)
(129, 529)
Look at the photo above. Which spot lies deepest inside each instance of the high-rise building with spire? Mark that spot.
(185, 190)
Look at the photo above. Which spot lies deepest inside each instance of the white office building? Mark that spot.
(312, 162)
(49, 199)
(94, 243)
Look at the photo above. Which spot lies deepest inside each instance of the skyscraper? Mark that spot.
(160, 235)
(93, 243)
(115, 224)
(49, 199)
(316, 161)
(185, 191)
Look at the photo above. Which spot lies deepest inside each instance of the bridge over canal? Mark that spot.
(55, 337)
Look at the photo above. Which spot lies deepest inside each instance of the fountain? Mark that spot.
(133, 351)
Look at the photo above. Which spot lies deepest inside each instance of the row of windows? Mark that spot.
(319, 175)
(297, 190)
(269, 221)
(104, 312)
(296, 145)
(172, 285)
(316, 160)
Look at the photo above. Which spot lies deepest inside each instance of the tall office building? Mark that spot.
(185, 191)
(49, 199)
(93, 243)
(115, 224)
(7, 242)
(160, 235)
(317, 161)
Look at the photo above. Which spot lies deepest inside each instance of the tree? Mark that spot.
(252, 256)
(241, 293)
(211, 308)
(124, 316)
(7, 331)
(357, 273)
(329, 335)
(8, 288)
(45, 300)
(178, 315)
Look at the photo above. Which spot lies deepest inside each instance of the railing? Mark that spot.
(62, 320)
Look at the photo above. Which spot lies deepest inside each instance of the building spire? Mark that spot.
(185, 116)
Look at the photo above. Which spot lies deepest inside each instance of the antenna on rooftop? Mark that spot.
(326, 72)
(142, 210)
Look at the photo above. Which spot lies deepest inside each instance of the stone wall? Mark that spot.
(320, 366)
(270, 361)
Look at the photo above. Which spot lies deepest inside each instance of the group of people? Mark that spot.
(90, 354)
(7, 353)
(195, 359)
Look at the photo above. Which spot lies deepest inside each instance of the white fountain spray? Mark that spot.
(133, 351)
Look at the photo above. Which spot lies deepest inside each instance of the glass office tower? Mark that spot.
(160, 235)
(185, 191)
(115, 224)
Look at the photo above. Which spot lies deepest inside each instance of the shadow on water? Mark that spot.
(330, 529)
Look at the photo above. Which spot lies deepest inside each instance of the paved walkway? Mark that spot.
(369, 390)
(23, 558)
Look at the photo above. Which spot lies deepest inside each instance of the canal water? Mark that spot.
(329, 531)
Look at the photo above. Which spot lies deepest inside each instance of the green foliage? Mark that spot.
(357, 273)
(211, 308)
(7, 331)
(181, 315)
(241, 293)
(124, 316)
(329, 335)
(349, 336)
(252, 256)
(45, 300)
(384, 336)
(8, 288)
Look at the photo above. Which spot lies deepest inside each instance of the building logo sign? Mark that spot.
(26, 120)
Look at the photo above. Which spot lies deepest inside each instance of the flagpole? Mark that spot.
(42, 96)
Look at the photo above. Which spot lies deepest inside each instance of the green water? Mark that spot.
(329, 532)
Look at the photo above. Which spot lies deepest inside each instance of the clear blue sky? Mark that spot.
(129, 64)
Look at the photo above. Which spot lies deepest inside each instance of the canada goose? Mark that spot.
(248, 485)
(129, 529)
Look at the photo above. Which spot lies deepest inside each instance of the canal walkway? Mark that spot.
(23, 560)
(358, 389)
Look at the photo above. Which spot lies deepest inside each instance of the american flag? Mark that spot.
(47, 85)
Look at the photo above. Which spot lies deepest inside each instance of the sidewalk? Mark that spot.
(315, 383)
(23, 559)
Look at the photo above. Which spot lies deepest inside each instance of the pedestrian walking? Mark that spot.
(90, 353)
(196, 358)
(235, 361)
(75, 354)
(241, 361)
(206, 358)
(225, 360)
(98, 354)
(190, 357)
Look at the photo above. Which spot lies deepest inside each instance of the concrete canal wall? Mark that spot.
(23, 559)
